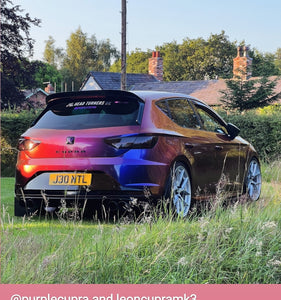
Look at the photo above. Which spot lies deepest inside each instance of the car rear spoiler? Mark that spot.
(91, 94)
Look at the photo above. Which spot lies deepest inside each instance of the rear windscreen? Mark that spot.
(91, 113)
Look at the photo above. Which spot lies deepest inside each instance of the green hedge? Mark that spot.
(261, 128)
(262, 131)
(13, 124)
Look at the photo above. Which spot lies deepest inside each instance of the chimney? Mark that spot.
(49, 89)
(155, 66)
(242, 64)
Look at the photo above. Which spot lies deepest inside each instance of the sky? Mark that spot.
(152, 23)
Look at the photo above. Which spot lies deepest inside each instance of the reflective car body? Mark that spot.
(114, 145)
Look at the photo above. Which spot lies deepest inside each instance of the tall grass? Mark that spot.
(237, 244)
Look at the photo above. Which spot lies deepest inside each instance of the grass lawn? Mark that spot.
(240, 244)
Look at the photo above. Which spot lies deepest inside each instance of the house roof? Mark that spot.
(30, 93)
(206, 90)
(112, 81)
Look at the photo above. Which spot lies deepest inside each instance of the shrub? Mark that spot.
(262, 129)
(270, 110)
(13, 124)
(8, 159)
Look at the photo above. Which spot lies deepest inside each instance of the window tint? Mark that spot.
(210, 123)
(90, 113)
(182, 113)
(164, 107)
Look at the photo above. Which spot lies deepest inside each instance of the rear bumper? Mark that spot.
(126, 171)
(113, 179)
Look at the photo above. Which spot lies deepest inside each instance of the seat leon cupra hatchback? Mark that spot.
(118, 146)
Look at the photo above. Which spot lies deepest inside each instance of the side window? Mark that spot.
(210, 123)
(183, 114)
(164, 107)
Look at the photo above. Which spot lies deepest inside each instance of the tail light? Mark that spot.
(27, 144)
(132, 141)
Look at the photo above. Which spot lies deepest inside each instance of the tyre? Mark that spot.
(179, 190)
(253, 180)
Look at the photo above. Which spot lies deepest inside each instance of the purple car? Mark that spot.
(115, 146)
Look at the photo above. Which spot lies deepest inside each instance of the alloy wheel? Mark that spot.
(253, 180)
(181, 190)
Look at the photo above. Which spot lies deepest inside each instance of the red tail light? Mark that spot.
(132, 141)
(27, 144)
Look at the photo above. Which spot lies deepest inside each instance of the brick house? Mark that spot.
(36, 98)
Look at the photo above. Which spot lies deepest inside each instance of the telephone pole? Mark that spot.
(123, 45)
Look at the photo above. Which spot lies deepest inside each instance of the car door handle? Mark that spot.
(219, 148)
(188, 146)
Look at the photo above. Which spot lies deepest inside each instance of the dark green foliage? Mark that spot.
(15, 27)
(10, 95)
(45, 72)
(277, 60)
(249, 94)
(261, 130)
(12, 125)
(193, 59)
(264, 64)
(16, 44)
(84, 54)
(8, 159)
(137, 62)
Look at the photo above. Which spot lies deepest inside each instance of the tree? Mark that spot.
(264, 64)
(172, 61)
(10, 95)
(193, 59)
(30, 75)
(198, 59)
(192, 53)
(106, 53)
(249, 94)
(84, 54)
(78, 56)
(46, 73)
(137, 62)
(277, 60)
(219, 54)
(52, 55)
(16, 43)
(15, 38)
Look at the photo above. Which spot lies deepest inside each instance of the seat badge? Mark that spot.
(70, 140)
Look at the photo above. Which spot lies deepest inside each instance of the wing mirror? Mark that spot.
(232, 130)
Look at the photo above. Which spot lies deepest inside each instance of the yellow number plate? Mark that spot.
(70, 179)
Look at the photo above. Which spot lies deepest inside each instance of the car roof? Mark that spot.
(158, 95)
